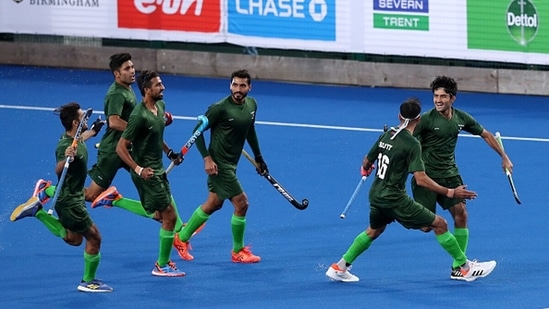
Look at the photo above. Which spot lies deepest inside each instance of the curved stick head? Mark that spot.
(204, 120)
(304, 204)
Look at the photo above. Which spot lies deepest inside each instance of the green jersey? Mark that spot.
(395, 160)
(118, 101)
(438, 137)
(146, 132)
(230, 126)
(72, 190)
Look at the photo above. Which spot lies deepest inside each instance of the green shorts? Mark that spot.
(106, 167)
(155, 194)
(410, 214)
(225, 184)
(74, 217)
(429, 199)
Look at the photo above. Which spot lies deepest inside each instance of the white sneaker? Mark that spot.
(456, 274)
(337, 274)
(478, 270)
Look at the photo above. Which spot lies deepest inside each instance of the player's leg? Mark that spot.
(195, 224)
(413, 215)
(93, 191)
(92, 258)
(111, 197)
(227, 186)
(100, 192)
(458, 210)
(378, 222)
(166, 238)
(447, 241)
(33, 208)
(240, 253)
(156, 197)
(202, 213)
(76, 219)
(340, 271)
(469, 270)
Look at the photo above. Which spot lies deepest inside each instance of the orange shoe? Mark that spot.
(183, 248)
(106, 198)
(40, 190)
(245, 255)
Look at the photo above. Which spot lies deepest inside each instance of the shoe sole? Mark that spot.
(340, 280)
(22, 208)
(182, 274)
(83, 289)
(334, 277)
(245, 262)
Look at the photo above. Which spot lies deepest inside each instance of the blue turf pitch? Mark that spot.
(313, 138)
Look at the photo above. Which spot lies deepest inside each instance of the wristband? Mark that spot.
(138, 170)
(453, 191)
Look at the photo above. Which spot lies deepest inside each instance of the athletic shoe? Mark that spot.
(337, 274)
(456, 274)
(183, 248)
(27, 209)
(477, 270)
(169, 270)
(245, 255)
(40, 190)
(106, 198)
(94, 286)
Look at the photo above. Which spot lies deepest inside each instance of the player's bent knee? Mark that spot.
(440, 225)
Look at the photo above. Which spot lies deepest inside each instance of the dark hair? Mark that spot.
(117, 60)
(242, 74)
(144, 80)
(448, 83)
(410, 108)
(68, 113)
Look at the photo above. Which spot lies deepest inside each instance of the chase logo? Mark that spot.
(388, 14)
(522, 21)
(286, 19)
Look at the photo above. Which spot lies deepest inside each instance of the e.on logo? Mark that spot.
(180, 15)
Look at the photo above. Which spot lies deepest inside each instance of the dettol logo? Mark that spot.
(522, 21)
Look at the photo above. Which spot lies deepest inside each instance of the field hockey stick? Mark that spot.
(59, 185)
(357, 189)
(353, 196)
(301, 206)
(204, 124)
(508, 173)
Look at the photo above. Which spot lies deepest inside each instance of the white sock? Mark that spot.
(342, 264)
